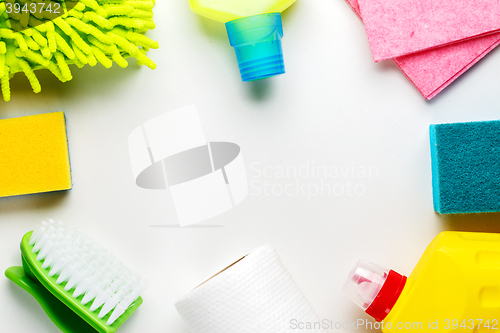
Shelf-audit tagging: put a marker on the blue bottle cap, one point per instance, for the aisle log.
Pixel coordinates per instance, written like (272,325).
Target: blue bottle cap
(257,42)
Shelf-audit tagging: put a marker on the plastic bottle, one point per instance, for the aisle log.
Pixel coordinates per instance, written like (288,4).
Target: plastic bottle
(454,287)
(255,30)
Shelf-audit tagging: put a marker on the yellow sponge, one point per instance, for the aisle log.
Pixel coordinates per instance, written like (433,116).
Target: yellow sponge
(34,155)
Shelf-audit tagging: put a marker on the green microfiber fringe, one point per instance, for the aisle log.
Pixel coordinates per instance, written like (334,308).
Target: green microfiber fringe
(94,31)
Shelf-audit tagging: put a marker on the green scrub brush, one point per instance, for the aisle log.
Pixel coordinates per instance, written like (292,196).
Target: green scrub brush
(93,31)
(82,287)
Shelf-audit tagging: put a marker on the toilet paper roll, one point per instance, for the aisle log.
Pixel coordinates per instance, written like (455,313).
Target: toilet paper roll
(254,295)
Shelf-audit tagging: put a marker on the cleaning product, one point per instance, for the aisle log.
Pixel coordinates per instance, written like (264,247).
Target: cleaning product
(454,287)
(255,294)
(466,167)
(255,30)
(90,32)
(34,155)
(81,286)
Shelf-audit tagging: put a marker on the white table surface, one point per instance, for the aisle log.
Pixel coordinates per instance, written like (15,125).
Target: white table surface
(333,108)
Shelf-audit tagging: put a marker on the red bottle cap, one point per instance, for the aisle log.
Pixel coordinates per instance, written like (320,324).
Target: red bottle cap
(374,288)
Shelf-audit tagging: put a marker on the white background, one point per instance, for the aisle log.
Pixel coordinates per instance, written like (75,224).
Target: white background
(334,107)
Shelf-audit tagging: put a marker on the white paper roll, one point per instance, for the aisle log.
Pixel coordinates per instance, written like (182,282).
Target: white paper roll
(254,295)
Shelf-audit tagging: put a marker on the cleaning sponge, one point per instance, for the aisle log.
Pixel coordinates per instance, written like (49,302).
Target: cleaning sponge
(34,155)
(466,167)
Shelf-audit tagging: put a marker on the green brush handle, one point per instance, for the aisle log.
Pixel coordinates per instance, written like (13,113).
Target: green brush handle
(62,316)
(62,308)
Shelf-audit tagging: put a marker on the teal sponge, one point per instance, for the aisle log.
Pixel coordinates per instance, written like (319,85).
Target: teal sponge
(466,167)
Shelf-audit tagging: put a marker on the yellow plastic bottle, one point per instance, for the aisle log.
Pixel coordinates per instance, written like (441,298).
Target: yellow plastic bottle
(254,29)
(454,287)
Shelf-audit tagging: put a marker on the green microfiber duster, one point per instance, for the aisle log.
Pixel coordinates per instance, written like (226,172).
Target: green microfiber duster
(91,31)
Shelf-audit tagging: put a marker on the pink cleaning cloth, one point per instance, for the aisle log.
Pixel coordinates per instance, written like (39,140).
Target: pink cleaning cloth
(433,70)
(397,28)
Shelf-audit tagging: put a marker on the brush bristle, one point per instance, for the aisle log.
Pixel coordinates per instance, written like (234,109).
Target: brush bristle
(86,268)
